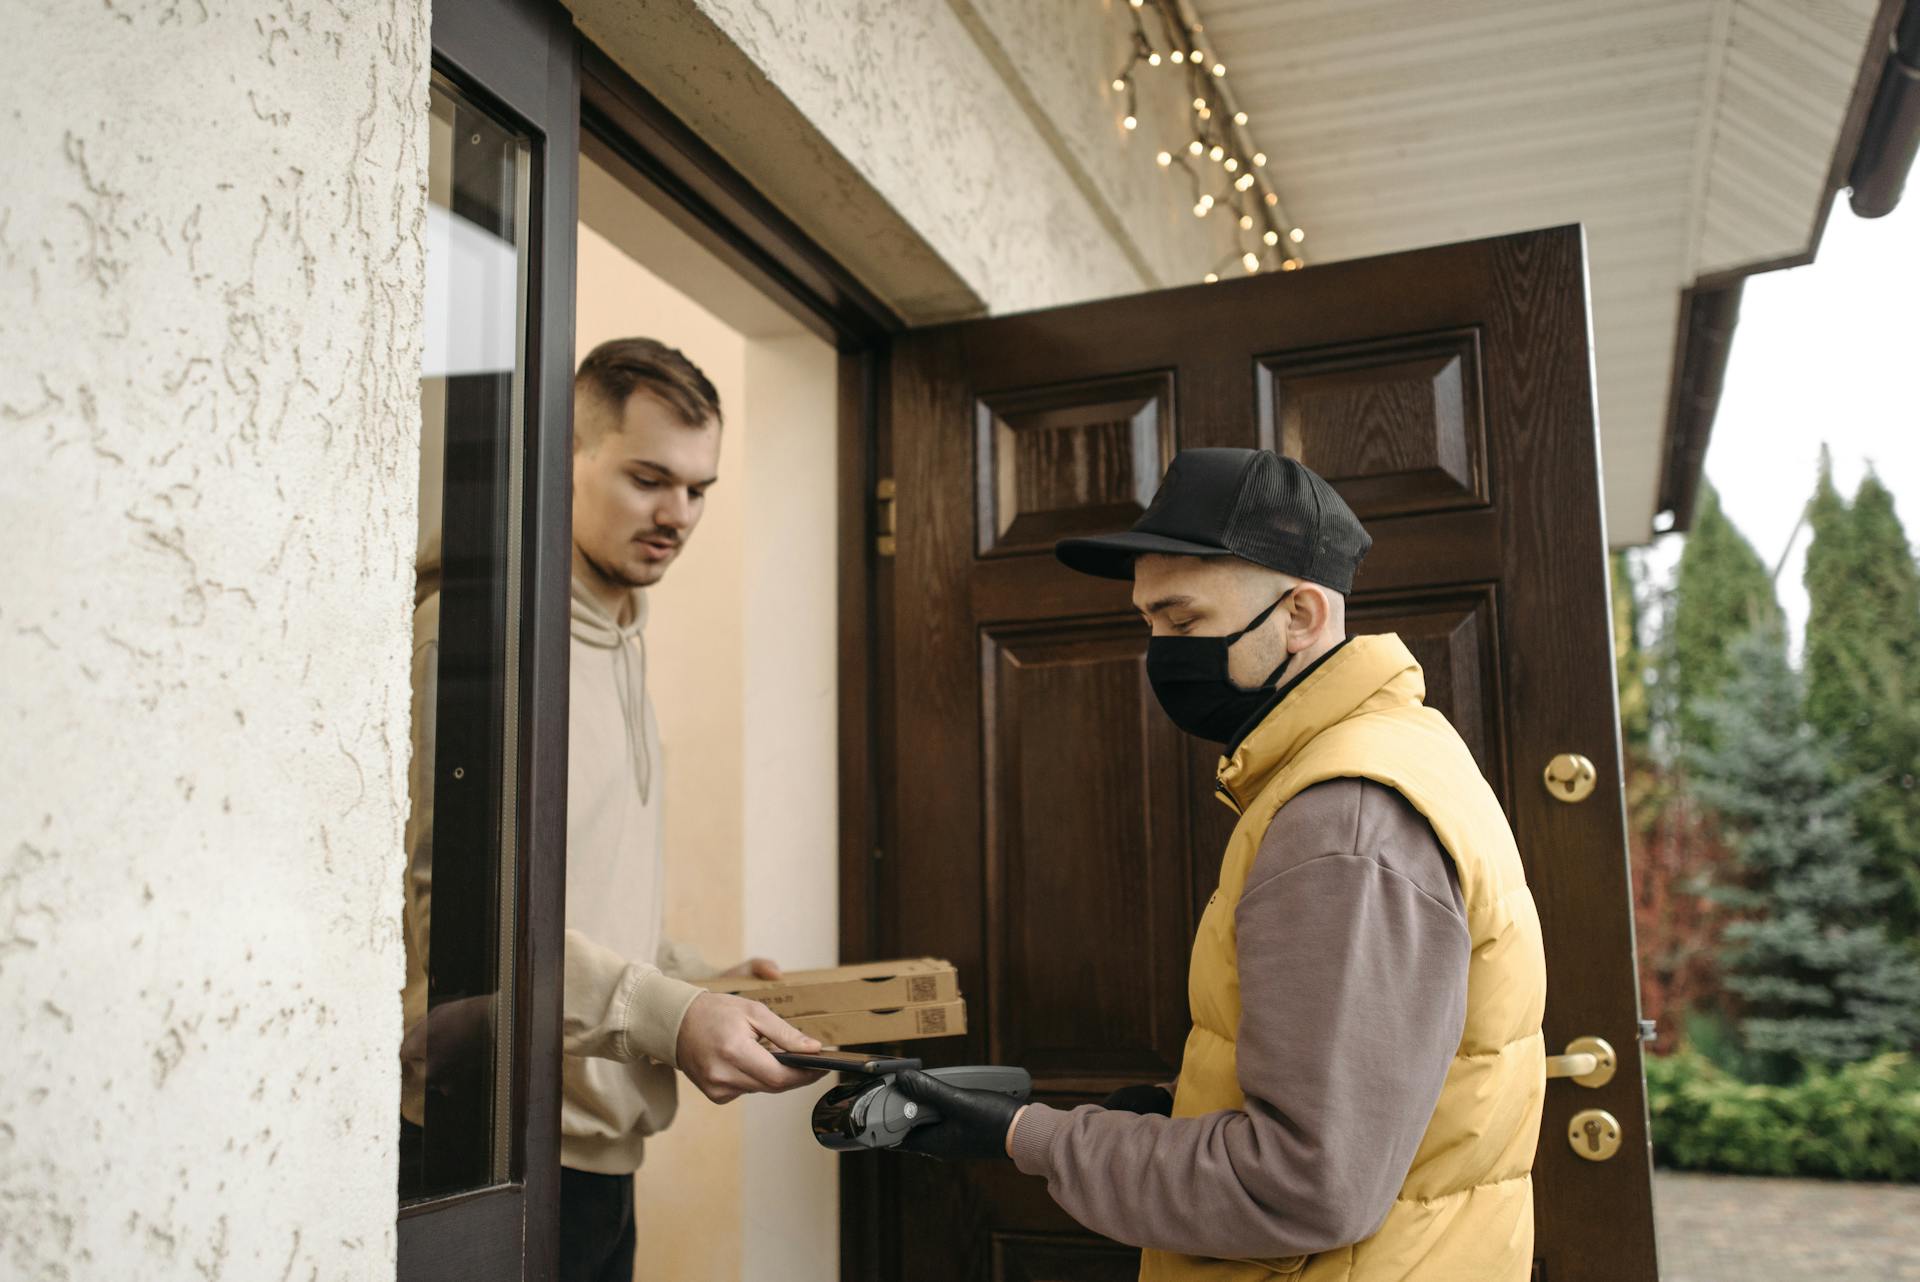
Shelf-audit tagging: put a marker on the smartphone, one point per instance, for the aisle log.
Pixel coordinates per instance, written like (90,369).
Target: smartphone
(847,1062)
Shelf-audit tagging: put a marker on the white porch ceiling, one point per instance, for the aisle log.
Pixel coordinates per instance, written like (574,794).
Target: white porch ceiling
(1689,136)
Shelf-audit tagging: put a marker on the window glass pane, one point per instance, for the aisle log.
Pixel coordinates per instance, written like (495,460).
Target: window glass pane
(456,1058)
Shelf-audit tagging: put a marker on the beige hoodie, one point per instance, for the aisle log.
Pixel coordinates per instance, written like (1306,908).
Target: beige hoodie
(620,1017)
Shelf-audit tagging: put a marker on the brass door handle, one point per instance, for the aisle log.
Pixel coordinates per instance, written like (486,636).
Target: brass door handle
(1589,1061)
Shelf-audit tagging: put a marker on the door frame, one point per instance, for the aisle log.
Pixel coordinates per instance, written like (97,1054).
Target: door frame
(706,197)
(519,59)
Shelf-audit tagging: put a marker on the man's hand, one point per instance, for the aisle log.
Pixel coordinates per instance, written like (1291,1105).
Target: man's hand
(1140,1099)
(720,1052)
(754,968)
(454,1039)
(974,1124)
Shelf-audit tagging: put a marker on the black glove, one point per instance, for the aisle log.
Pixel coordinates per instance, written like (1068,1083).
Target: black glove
(972,1123)
(1140,1099)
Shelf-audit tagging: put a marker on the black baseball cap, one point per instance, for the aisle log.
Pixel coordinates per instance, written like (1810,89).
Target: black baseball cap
(1253,504)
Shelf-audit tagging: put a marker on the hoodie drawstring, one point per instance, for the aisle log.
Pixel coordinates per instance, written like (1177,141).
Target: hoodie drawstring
(593,625)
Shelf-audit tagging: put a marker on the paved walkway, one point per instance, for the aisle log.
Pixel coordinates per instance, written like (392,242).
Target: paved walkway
(1734,1228)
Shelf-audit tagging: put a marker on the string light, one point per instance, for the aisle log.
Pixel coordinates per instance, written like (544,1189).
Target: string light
(1256,214)
(1211,278)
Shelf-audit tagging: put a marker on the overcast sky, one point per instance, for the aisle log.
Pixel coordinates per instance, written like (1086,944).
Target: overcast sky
(1826,353)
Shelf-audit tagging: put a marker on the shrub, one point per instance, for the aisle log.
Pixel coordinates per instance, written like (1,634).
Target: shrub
(1857,1122)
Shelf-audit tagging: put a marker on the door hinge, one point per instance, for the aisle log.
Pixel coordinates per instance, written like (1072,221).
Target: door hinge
(883,516)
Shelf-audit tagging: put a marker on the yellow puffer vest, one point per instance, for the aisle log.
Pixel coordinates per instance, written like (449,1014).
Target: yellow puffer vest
(1465,1212)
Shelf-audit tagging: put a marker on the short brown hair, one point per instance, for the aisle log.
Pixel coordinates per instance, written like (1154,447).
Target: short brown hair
(620,367)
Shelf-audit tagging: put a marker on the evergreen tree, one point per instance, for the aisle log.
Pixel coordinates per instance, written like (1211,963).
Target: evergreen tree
(1671,847)
(1629,655)
(1820,978)
(1722,591)
(1863,673)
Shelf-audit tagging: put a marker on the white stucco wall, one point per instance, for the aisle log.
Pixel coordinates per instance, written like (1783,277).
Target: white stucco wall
(210,248)
(959,155)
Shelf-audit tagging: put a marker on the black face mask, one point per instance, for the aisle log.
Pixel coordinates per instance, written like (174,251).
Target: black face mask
(1189,677)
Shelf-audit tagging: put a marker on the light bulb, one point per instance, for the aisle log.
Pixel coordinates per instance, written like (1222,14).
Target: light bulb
(1119,84)
(1260,158)
(1199,103)
(1195,147)
(1177,56)
(1272,237)
(1153,59)
(1210,278)
(1199,55)
(1165,158)
(1251,261)
(1216,151)
(1272,199)
(1219,68)
(1291,265)
(1246,222)
(1205,113)
(1199,211)
(1239,117)
(1232,163)
(1136,3)
(1131,122)
(1297,235)
(1245,181)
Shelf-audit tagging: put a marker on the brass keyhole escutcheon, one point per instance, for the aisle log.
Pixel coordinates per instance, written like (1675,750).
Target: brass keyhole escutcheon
(1594,1134)
(1570,777)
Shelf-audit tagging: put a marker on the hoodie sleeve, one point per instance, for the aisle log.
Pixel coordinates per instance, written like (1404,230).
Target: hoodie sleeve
(620,1010)
(1352,954)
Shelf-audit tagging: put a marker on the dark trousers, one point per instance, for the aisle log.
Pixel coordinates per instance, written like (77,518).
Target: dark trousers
(596,1227)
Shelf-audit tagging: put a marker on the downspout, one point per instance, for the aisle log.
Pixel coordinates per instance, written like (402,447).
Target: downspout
(1892,135)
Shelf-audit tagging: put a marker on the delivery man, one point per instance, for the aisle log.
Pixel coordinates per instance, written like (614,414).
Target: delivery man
(1360,1095)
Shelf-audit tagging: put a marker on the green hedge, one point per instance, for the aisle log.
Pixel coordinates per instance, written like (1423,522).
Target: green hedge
(1859,1122)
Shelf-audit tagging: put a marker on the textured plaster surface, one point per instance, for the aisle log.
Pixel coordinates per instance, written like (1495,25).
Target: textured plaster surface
(211,249)
(959,155)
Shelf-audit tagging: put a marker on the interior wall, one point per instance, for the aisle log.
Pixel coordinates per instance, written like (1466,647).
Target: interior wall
(211,245)
(790,1185)
(742,667)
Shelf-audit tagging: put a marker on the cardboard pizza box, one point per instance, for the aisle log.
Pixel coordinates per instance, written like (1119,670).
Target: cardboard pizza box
(868,986)
(872,1027)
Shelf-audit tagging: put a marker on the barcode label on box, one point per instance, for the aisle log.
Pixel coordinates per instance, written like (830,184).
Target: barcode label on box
(923,988)
(931,1022)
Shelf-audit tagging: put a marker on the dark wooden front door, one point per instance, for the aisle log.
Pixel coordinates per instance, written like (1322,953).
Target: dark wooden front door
(1050,832)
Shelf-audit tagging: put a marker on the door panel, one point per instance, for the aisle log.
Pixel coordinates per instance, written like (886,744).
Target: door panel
(1055,837)
(1073,846)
